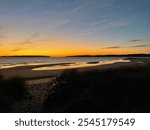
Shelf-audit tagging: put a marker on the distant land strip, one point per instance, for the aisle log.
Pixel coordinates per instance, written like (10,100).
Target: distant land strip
(26,56)
(113,55)
(125,55)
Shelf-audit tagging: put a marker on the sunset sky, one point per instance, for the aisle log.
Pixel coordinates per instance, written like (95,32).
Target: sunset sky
(74,27)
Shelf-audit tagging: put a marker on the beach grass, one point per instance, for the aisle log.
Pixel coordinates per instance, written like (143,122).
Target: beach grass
(11,91)
(119,90)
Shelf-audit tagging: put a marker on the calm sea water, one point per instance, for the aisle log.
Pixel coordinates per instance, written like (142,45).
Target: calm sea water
(7,62)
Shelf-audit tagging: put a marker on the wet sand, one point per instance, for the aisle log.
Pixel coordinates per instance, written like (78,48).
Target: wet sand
(27,72)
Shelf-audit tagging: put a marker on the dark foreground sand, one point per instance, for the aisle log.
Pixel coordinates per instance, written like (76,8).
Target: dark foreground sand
(39,83)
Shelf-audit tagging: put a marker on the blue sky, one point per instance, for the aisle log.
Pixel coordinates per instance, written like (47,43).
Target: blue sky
(84,25)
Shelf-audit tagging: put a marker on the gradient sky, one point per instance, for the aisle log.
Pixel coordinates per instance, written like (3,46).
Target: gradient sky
(73,27)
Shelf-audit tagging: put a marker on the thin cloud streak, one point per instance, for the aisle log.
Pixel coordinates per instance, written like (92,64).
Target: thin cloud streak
(136,46)
(135,40)
(15,50)
(141,46)
(112,47)
(28,40)
(76,10)
(21,45)
(31,38)
(109,23)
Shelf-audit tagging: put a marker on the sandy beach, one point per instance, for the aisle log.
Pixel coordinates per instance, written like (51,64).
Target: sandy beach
(38,82)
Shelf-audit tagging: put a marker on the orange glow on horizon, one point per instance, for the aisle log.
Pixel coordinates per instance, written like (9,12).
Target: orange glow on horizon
(73,52)
(65,47)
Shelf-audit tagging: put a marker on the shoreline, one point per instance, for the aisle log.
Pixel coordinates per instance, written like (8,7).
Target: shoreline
(26,72)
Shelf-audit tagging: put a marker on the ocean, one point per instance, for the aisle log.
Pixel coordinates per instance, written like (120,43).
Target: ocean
(71,62)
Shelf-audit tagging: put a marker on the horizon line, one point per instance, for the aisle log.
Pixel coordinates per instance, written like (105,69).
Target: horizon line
(80,55)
